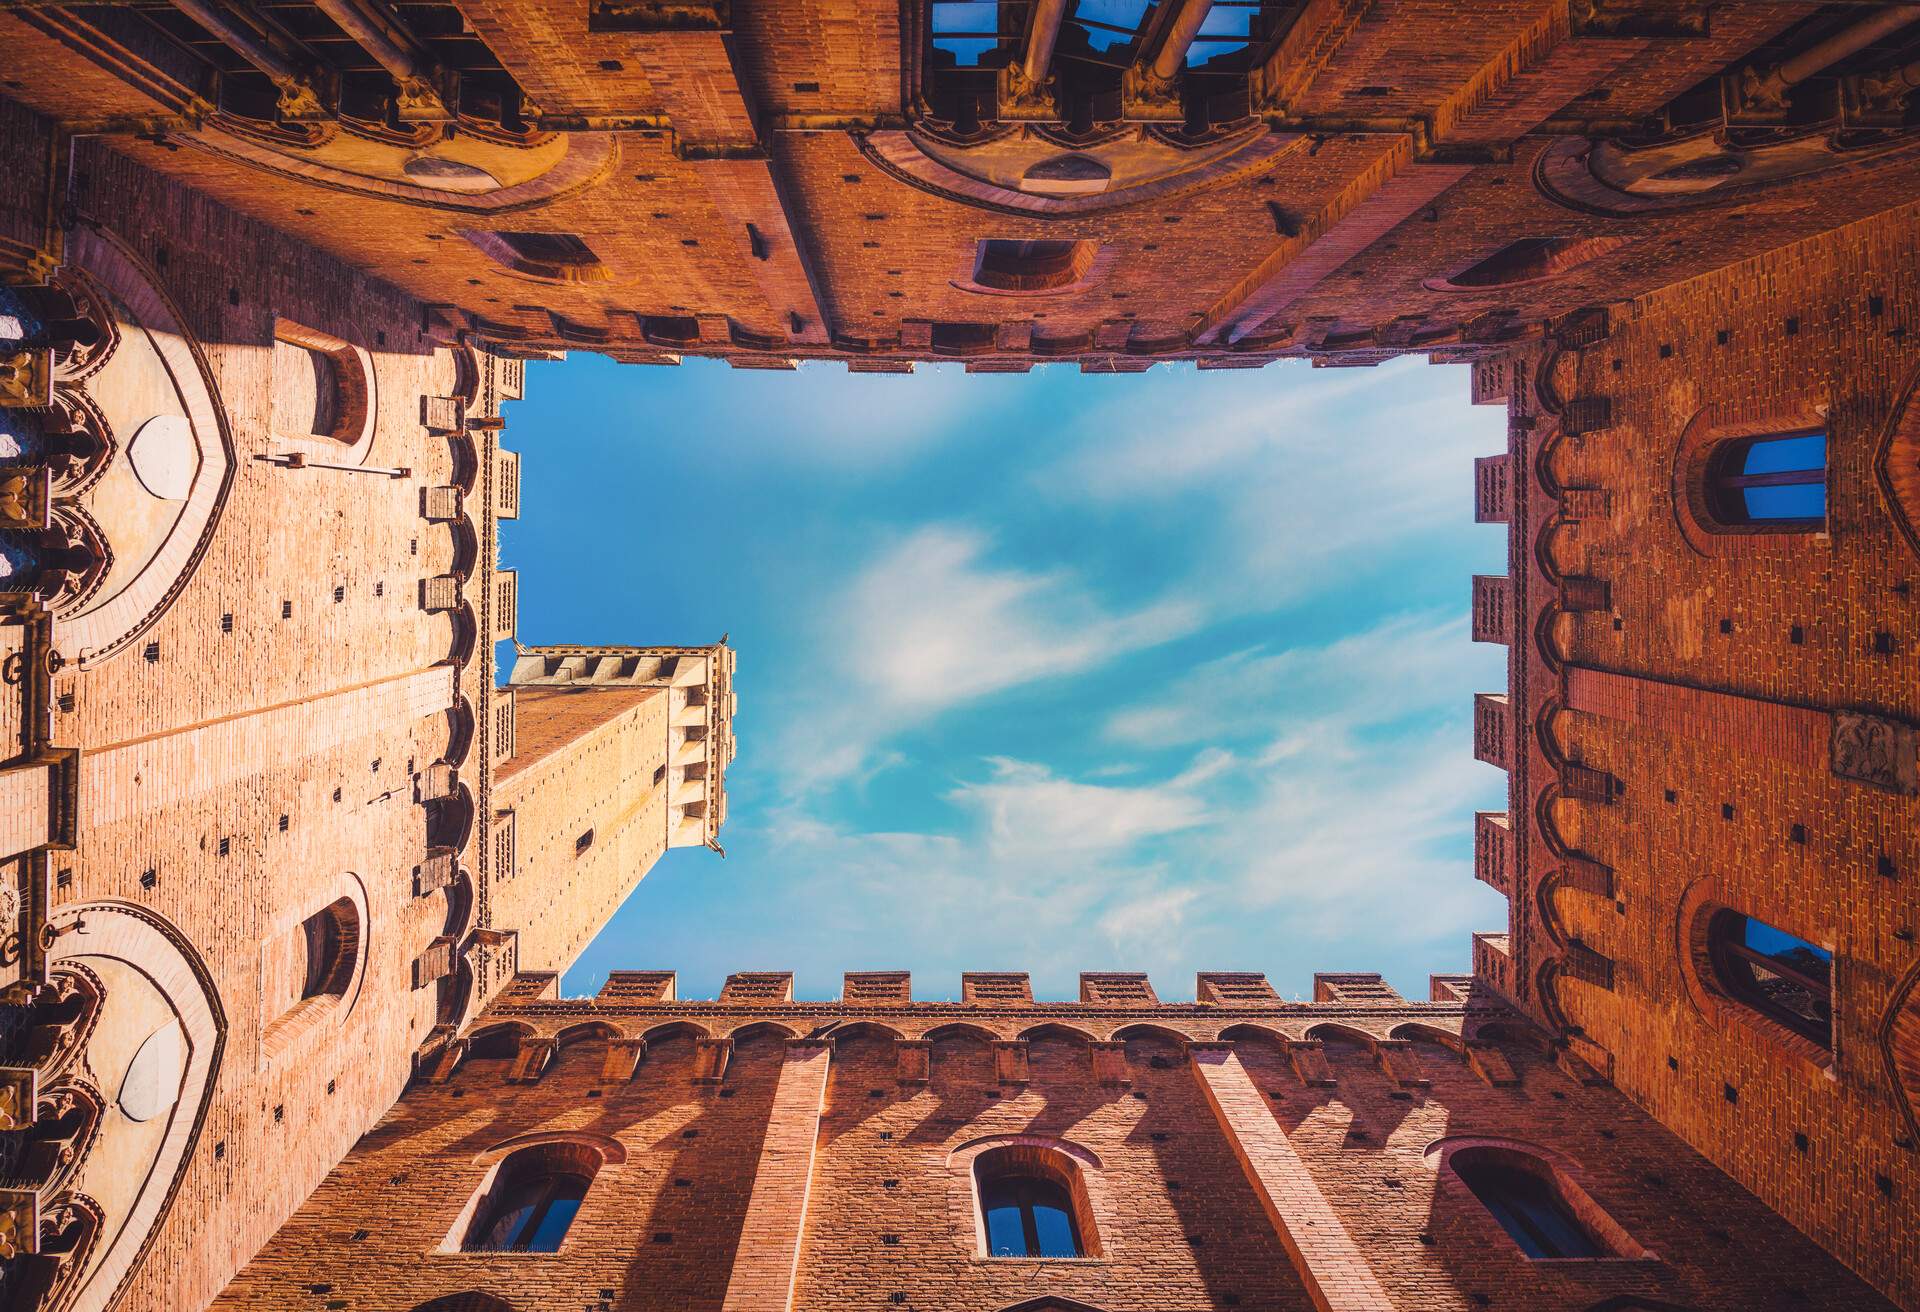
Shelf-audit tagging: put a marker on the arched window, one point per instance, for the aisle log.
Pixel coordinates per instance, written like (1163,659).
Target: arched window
(1530,259)
(1776,484)
(1029,1203)
(560,256)
(1784,978)
(322,387)
(311,965)
(1528,1205)
(534,1197)
(1006,265)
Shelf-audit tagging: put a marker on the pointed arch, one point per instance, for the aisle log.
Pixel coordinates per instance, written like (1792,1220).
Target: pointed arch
(760,1029)
(862,1029)
(674,1029)
(1150,1031)
(586,1030)
(959,1030)
(468,1300)
(1423,1033)
(498,1040)
(1259,1033)
(1332,1030)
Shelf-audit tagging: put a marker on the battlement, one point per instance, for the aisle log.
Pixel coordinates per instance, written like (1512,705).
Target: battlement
(633,1003)
(531,1025)
(698,683)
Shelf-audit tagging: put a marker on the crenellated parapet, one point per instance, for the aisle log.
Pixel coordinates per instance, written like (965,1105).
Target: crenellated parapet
(530,1023)
(698,683)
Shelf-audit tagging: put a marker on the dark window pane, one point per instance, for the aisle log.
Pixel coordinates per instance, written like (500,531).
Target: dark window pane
(1224,30)
(1794,501)
(966,50)
(529,1211)
(553,1225)
(1776,454)
(1053,1228)
(1529,1208)
(1778,481)
(1096,18)
(549,247)
(1765,939)
(966,16)
(1006,1234)
(1776,973)
(500,1232)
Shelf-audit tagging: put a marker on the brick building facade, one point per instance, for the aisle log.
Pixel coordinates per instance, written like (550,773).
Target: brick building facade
(293,863)
(1236,1151)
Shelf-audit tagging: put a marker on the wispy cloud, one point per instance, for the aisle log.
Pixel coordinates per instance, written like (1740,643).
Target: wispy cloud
(1404,665)
(1025,810)
(1282,494)
(1184,686)
(936,624)
(928,624)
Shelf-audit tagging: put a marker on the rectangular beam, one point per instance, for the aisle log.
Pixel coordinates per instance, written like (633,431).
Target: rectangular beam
(149,774)
(1794,734)
(1330,1264)
(768,1258)
(1376,202)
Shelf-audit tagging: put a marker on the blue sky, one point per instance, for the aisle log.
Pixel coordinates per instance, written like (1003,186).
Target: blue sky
(1046,672)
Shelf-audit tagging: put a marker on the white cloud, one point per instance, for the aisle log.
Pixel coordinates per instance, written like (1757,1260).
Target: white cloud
(1156,446)
(1320,814)
(1026,811)
(1302,486)
(927,625)
(1404,665)
(933,624)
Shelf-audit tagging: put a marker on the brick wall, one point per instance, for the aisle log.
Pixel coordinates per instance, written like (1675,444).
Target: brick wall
(1707,687)
(890,1208)
(589,819)
(1407,159)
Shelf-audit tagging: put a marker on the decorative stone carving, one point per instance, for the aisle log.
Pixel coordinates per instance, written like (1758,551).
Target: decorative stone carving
(1873,751)
(1021,97)
(61,1135)
(67,1232)
(61,1020)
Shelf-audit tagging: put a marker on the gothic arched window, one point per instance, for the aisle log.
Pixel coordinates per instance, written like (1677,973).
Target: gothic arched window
(1028,1204)
(1528,1204)
(309,970)
(534,1197)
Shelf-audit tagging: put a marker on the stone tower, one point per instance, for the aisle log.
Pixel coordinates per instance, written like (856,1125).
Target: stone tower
(260,836)
(619,753)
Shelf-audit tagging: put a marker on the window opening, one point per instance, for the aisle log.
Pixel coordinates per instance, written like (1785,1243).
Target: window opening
(1028,1217)
(559,256)
(966,29)
(529,1211)
(1011,265)
(1529,1209)
(1783,977)
(1780,482)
